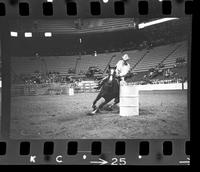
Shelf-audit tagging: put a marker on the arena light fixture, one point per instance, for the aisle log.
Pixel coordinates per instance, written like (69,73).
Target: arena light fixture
(48,34)
(105,1)
(13,34)
(49,0)
(28,34)
(143,25)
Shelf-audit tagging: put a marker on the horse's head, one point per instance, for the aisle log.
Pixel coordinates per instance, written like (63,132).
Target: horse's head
(111,74)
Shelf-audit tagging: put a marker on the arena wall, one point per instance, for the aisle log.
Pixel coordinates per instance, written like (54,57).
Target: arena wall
(171,86)
(20,90)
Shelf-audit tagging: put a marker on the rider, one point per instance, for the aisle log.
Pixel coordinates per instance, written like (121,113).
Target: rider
(122,69)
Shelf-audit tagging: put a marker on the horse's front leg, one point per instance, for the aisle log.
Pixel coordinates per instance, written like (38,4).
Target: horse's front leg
(104,103)
(100,106)
(95,101)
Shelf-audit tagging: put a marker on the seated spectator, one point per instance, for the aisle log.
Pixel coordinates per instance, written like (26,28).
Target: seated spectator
(160,70)
(151,74)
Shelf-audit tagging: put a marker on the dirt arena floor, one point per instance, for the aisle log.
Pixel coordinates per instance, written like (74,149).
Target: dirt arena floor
(163,115)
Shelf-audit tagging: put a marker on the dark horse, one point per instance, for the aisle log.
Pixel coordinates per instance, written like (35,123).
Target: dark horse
(109,91)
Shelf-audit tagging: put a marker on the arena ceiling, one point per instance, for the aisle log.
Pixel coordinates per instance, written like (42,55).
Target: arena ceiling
(84,36)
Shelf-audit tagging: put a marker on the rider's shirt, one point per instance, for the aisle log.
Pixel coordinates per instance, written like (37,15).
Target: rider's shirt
(122,69)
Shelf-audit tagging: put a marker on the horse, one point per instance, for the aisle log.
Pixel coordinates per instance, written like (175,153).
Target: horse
(108,91)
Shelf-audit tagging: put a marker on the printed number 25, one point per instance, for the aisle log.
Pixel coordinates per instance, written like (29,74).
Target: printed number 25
(120,161)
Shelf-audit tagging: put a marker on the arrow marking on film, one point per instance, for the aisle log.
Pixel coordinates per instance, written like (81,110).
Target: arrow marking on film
(100,162)
(184,162)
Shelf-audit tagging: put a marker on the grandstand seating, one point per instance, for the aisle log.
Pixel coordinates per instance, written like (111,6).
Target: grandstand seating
(181,52)
(61,64)
(157,54)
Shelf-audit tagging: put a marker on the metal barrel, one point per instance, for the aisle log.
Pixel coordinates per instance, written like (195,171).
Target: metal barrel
(71,91)
(129,100)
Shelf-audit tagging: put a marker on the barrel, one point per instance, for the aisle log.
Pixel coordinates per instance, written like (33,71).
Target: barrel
(129,100)
(71,91)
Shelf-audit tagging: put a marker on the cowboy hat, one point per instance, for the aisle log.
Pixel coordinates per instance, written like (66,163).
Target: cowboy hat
(125,57)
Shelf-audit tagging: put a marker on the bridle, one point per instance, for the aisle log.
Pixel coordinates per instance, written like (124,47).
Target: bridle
(112,75)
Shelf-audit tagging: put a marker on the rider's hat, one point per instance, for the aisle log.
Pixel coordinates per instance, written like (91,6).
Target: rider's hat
(125,57)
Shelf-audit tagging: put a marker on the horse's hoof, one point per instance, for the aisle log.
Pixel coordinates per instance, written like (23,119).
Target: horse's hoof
(94,107)
(91,114)
(94,112)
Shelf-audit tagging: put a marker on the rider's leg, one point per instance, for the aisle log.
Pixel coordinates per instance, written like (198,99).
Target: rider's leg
(118,80)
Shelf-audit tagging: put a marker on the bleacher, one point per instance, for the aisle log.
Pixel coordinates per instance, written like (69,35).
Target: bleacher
(89,60)
(181,52)
(157,54)
(61,64)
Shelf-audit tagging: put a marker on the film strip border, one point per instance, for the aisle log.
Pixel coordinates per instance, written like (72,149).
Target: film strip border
(94,8)
(90,152)
(99,152)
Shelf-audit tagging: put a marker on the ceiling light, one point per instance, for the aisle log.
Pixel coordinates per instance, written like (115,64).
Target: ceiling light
(14,34)
(143,25)
(48,34)
(28,34)
(105,1)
